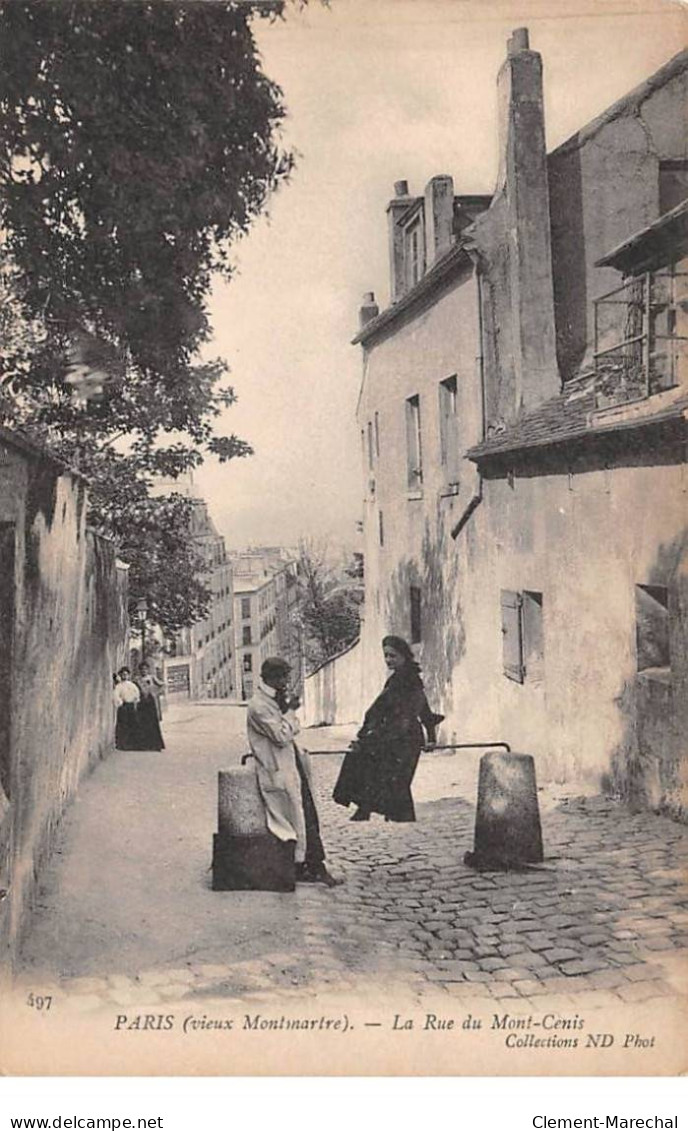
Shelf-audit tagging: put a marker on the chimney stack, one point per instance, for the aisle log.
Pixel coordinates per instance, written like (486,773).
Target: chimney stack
(396,207)
(523,185)
(368,309)
(439,217)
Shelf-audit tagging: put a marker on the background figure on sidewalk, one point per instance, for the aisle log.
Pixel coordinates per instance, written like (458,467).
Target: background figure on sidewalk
(284,772)
(148,716)
(126,697)
(378,770)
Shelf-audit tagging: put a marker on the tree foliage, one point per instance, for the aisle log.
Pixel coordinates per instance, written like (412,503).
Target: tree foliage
(138,141)
(329,602)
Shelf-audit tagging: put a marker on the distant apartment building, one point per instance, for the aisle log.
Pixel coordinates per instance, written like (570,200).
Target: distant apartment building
(199,663)
(265,594)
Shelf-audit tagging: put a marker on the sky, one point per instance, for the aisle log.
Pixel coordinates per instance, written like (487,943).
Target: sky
(376,91)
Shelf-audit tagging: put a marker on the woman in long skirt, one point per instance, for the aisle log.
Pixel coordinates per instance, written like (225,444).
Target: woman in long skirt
(126,696)
(148,715)
(378,770)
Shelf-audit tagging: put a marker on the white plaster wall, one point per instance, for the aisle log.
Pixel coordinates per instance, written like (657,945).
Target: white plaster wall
(585,541)
(434,345)
(333,695)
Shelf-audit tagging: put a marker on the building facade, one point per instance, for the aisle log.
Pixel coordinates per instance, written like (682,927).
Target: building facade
(522,418)
(199,663)
(265,595)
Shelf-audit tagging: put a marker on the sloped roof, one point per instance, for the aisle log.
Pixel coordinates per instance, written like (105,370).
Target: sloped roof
(661,242)
(453,260)
(573,416)
(628,104)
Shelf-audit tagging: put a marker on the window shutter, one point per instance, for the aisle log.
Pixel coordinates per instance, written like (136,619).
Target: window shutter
(512,643)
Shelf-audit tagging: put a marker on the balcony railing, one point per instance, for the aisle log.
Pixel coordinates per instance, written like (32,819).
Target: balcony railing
(641,337)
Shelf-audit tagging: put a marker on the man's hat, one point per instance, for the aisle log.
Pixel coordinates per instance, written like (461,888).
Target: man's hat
(274,665)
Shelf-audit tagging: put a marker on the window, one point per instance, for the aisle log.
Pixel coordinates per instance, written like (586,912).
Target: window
(522,635)
(448,429)
(377,435)
(246,608)
(248,662)
(416,624)
(246,634)
(381,528)
(673,184)
(413,444)
(415,252)
(370,445)
(652,627)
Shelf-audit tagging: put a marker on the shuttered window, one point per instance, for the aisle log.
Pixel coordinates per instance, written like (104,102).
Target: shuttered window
(523,650)
(512,636)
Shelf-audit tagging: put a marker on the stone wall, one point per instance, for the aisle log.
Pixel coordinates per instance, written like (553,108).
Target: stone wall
(65,602)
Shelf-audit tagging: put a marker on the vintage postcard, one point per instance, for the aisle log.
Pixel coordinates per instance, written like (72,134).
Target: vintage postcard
(344,558)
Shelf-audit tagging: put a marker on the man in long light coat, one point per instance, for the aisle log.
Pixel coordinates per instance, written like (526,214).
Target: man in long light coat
(284,772)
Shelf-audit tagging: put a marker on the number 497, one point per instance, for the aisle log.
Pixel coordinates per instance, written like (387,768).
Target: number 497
(39,1001)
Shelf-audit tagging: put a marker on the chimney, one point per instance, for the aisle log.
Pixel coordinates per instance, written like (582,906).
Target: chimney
(522,182)
(439,217)
(396,207)
(368,309)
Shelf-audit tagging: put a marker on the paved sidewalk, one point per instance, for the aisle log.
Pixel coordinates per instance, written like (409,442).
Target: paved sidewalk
(128,917)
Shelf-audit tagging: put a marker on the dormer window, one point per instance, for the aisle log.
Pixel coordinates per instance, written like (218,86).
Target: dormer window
(414,251)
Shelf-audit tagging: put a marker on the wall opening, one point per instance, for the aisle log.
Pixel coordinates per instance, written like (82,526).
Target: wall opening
(449,445)
(414,447)
(523,649)
(673,184)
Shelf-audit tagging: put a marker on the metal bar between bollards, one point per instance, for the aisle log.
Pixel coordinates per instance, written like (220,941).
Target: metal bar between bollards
(437,746)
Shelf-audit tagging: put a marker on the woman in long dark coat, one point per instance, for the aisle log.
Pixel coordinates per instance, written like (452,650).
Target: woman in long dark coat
(149,733)
(378,770)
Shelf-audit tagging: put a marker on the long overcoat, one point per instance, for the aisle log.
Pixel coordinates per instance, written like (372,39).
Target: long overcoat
(378,770)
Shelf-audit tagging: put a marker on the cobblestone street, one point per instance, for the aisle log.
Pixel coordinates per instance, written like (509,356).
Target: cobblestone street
(127,915)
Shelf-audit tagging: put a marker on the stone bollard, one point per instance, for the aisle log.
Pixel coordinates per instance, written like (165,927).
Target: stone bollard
(246,855)
(507,822)
(240,809)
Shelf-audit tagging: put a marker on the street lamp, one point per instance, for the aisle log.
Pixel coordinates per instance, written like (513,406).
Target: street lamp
(94,368)
(142,609)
